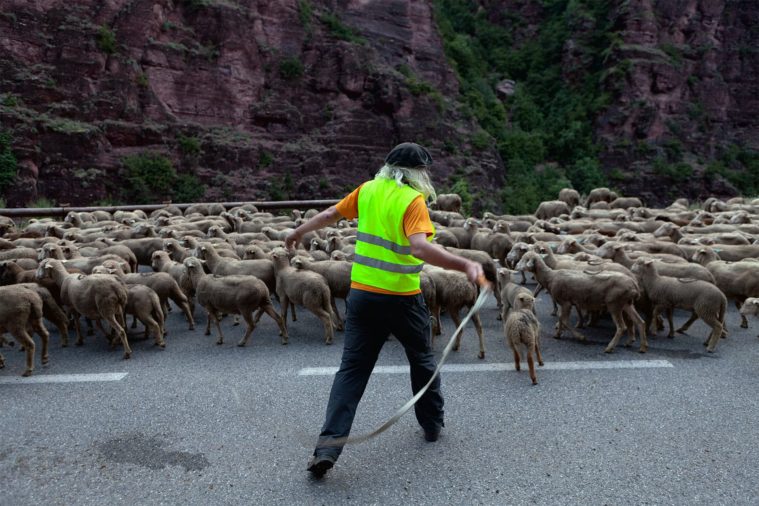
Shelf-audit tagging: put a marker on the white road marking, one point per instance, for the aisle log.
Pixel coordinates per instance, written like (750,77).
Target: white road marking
(64,378)
(570,366)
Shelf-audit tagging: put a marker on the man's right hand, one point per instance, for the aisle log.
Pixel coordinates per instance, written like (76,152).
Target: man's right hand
(474,273)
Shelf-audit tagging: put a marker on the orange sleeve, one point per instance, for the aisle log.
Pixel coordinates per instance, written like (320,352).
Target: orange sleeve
(348,207)
(417,218)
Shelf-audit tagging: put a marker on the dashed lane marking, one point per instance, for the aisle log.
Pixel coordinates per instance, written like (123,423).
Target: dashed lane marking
(566,366)
(64,378)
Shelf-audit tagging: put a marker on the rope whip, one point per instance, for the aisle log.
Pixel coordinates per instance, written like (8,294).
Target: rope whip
(486,289)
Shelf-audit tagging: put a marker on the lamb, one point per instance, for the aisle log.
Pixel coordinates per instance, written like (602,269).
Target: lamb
(454,292)
(262,269)
(21,308)
(97,296)
(162,283)
(612,291)
(337,274)
(509,291)
(666,293)
(305,288)
(521,327)
(447,202)
(552,208)
(570,197)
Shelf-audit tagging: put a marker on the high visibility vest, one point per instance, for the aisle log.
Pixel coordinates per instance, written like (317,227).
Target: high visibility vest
(383,252)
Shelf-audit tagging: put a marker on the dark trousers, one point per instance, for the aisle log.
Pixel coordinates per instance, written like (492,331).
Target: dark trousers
(371,318)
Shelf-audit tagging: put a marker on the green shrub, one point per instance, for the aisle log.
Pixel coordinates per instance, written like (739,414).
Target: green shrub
(460,186)
(481,140)
(189,146)
(339,30)
(196,5)
(41,203)
(305,14)
(9,100)
(586,174)
(106,40)
(151,177)
(265,159)
(8,162)
(188,188)
(290,68)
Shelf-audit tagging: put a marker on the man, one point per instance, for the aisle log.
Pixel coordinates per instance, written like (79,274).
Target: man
(393,242)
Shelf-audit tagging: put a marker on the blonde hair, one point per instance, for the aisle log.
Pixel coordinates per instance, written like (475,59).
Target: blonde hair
(418,179)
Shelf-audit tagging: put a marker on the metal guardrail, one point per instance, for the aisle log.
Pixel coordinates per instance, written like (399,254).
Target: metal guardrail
(34,212)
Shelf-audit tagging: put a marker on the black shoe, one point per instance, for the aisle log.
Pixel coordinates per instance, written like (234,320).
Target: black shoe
(431,435)
(320,464)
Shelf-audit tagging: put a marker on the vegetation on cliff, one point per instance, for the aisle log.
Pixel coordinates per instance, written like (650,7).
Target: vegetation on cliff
(544,130)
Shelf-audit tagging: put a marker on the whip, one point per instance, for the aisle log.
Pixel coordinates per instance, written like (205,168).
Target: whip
(486,289)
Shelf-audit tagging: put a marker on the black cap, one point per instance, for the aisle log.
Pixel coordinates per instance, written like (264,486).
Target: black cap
(409,155)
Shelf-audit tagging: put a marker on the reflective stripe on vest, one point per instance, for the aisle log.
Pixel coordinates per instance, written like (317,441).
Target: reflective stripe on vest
(383,253)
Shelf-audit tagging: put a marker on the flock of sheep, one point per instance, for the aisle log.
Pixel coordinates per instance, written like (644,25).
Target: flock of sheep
(610,255)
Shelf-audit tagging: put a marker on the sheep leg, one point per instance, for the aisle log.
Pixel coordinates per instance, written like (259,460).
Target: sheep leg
(236,320)
(744,321)
(122,334)
(338,320)
(248,317)
(41,331)
(78,326)
(565,308)
(25,340)
(454,312)
(713,339)
(2,361)
(537,348)
(134,322)
(269,309)
(436,331)
(524,279)
(478,328)
(284,303)
(90,330)
(155,328)
(516,358)
(292,305)
(185,307)
(616,315)
(638,322)
(686,325)
(109,336)
(208,324)
(213,314)
(326,318)
(531,366)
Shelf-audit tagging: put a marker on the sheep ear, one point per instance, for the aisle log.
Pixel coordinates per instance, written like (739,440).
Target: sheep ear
(648,261)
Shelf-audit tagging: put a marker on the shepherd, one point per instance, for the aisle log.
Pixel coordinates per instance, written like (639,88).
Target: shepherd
(393,242)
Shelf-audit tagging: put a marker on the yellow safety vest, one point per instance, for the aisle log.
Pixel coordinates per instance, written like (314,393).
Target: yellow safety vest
(383,252)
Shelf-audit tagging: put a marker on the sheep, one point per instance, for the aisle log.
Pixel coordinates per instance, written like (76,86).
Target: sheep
(617,253)
(16,253)
(51,310)
(142,248)
(453,292)
(464,233)
(446,238)
(496,245)
(509,291)
(85,264)
(21,308)
(613,291)
(625,203)
(162,283)
(750,307)
(162,263)
(144,305)
(488,267)
(304,288)
(570,197)
(552,208)
(72,252)
(737,280)
(97,296)
(337,274)
(447,202)
(262,269)
(521,327)
(704,299)
(599,195)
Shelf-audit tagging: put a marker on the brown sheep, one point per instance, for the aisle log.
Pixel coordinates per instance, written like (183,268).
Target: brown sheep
(551,209)
(20,309)
(704,299)
(97,297)
(447,202)
(521,327)
(570,197)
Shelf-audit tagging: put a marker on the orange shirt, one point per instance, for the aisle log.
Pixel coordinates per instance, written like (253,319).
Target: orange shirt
(416,220)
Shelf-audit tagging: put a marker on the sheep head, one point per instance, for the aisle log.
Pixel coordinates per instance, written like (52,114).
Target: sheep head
(524,301)
(750,306)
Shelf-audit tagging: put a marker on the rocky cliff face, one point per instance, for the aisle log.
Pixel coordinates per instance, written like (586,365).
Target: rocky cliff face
(255,99)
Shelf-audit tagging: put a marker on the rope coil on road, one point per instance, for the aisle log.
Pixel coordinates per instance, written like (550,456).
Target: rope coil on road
(484,292)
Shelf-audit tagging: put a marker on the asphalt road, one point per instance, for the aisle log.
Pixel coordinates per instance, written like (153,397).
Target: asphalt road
(198,423)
